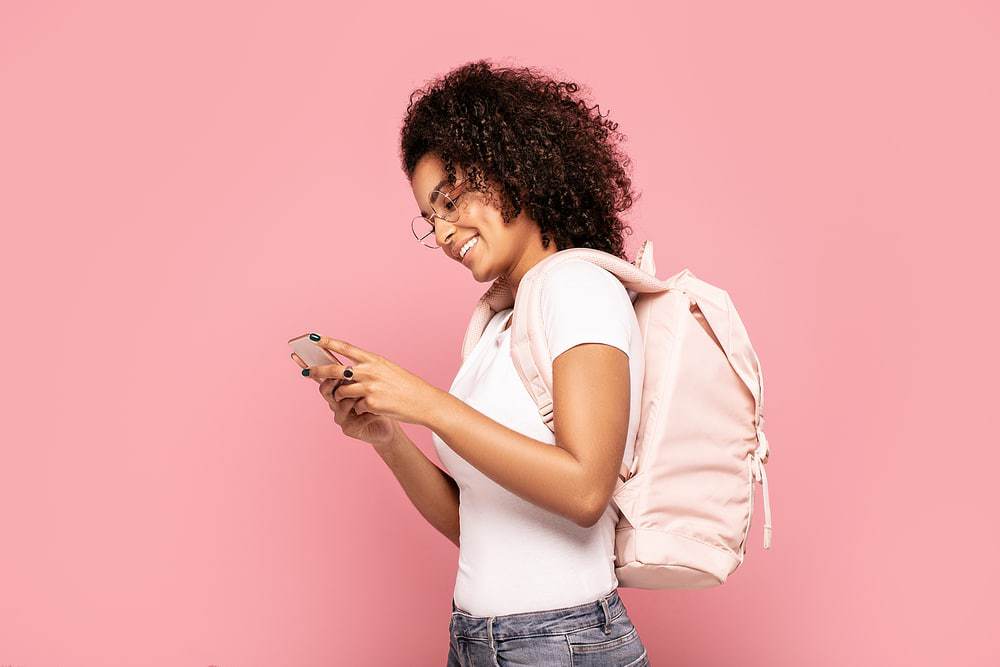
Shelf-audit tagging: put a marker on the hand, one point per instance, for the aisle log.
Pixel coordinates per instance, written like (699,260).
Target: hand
(380,386)
(371,428)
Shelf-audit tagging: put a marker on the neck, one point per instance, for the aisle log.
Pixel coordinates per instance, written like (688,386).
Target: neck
(531,256)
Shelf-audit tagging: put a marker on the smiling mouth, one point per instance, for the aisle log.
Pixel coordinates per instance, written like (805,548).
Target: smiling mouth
(464,257)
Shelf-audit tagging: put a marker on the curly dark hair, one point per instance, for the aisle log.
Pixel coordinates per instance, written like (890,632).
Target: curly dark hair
(541,145)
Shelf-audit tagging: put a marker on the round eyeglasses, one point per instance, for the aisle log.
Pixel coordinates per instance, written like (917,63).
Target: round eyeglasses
(445,206)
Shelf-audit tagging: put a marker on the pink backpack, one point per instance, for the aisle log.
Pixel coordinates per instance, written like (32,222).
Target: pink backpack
(686,503)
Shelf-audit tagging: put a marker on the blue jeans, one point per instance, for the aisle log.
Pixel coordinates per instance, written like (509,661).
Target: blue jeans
(598,633)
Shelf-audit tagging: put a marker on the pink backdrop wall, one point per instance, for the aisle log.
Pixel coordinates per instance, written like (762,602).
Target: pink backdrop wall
(180,191)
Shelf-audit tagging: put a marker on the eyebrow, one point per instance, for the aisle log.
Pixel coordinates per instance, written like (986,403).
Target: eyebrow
(434,194)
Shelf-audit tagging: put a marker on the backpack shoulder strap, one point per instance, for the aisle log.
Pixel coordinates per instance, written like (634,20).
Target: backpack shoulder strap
(498,297)
(639,276)
(529,347)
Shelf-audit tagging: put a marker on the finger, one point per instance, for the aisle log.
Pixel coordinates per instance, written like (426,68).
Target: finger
(348,390)
(327,386)
(302,364)
(297,359)
(343,347)
(334,371)
(343,410)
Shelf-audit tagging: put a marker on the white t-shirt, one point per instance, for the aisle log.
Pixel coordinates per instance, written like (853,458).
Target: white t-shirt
(516,556)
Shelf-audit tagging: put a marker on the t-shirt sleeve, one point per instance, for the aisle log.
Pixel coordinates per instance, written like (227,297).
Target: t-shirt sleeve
(583,303)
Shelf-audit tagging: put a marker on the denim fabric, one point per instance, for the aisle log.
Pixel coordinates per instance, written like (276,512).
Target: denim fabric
(598,633)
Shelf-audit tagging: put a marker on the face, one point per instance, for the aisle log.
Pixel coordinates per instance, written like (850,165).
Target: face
(507,249)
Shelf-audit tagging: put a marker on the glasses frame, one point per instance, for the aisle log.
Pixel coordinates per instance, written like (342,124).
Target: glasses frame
(455,192)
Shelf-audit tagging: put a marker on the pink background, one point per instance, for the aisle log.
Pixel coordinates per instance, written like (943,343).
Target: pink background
(184,186)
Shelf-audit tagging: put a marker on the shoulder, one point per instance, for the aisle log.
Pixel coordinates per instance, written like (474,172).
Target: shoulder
(582,278)
(584,303)
(580,268)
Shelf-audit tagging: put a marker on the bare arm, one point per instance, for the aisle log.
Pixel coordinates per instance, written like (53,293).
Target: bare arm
(575,478)
(431,490)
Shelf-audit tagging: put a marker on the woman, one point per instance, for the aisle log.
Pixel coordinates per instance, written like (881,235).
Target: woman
(507,168)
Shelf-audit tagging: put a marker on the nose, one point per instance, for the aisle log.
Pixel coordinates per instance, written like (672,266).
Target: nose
(443,231)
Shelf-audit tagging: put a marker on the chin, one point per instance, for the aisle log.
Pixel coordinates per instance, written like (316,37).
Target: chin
(482,279)
(481,275)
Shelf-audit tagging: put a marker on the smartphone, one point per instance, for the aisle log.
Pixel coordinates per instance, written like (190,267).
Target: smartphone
(313,354)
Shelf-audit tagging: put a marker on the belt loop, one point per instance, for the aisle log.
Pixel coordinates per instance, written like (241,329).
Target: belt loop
(607,616)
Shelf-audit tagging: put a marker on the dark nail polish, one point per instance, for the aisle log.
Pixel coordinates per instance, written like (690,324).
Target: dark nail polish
(314,337)
(305,371)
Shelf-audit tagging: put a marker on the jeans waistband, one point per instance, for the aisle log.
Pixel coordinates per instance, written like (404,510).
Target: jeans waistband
(600,612)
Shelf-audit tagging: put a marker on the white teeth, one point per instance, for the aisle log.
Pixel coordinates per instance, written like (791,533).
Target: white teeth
(468,245)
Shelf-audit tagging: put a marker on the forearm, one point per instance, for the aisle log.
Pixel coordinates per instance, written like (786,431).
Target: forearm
(431,490)
(544,475)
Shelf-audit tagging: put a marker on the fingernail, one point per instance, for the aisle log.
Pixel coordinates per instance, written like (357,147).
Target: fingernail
(305,371)
(314,337)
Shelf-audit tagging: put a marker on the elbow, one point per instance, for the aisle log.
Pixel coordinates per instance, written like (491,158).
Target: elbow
(590,515)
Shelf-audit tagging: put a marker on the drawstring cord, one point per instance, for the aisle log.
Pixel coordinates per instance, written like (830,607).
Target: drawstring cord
(757,460)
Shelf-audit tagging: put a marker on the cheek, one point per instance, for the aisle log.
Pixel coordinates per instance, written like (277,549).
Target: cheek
(488,220)
(476,212)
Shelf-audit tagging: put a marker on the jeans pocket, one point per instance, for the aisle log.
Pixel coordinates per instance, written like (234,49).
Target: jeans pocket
(591,647)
